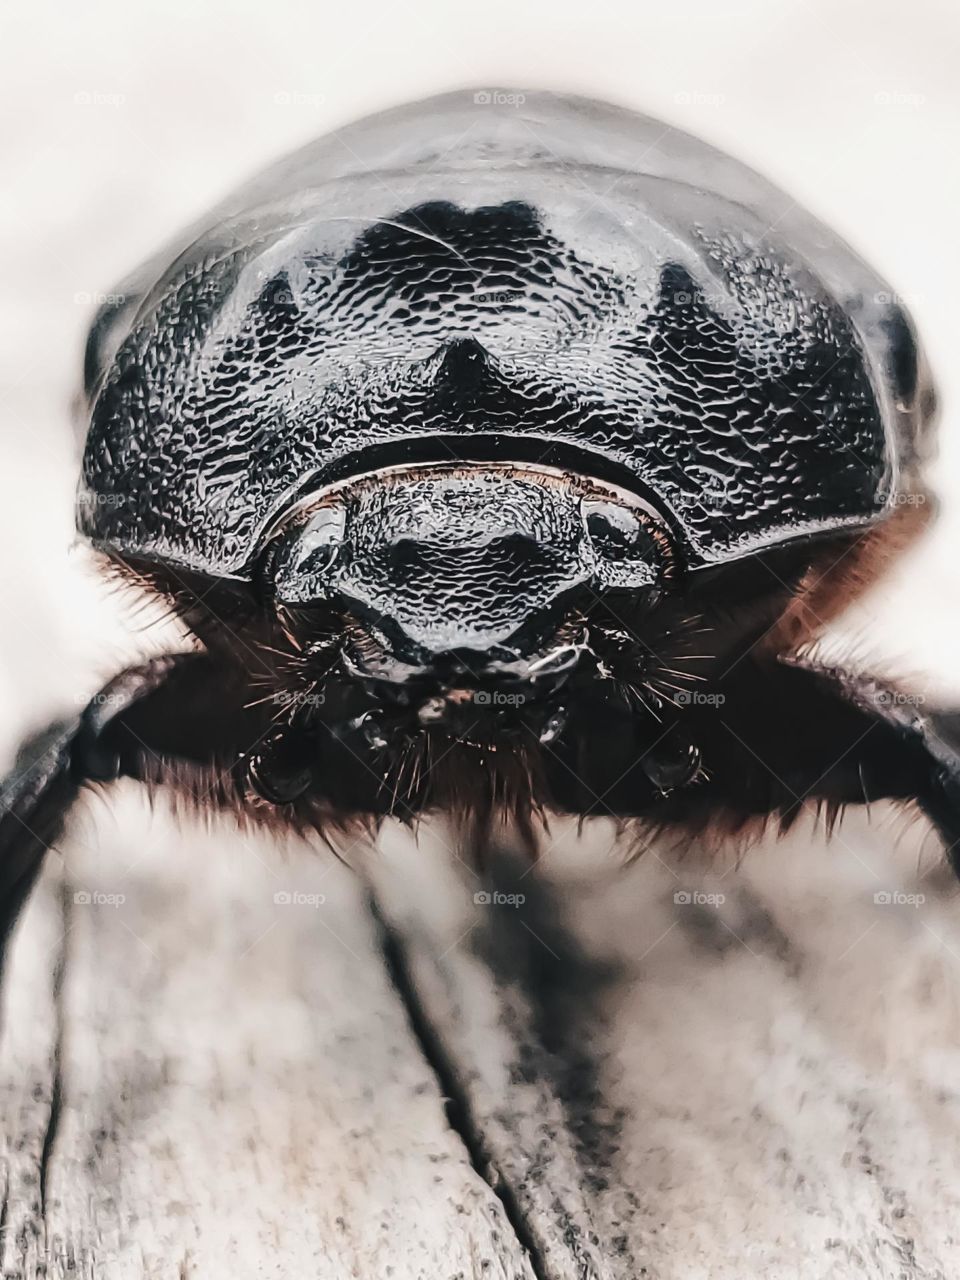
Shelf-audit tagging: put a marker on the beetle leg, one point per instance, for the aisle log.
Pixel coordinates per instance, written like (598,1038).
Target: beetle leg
(905,752)
(779,736)
(170,716)
(34,800)
(940,739)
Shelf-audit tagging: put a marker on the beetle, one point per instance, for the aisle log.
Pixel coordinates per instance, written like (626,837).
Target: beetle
(503,454)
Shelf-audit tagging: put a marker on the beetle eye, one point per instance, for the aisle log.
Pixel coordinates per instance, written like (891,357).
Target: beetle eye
(627,554)
(309,555)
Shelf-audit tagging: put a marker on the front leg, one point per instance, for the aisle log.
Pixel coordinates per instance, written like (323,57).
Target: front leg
(34,801)
(781,736)
(179,718)
(907,752)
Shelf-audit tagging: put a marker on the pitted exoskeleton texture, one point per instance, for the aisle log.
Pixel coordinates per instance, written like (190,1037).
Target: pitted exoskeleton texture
(444,559)
(664,335)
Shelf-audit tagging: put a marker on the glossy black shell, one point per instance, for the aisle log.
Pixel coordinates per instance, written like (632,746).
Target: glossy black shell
(558,281)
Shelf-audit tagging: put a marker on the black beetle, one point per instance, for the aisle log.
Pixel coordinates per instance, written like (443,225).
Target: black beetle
(502,458)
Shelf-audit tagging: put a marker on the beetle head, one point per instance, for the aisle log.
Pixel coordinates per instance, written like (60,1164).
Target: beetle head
(463,590)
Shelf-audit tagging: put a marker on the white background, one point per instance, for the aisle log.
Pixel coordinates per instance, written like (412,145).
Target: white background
(121,121)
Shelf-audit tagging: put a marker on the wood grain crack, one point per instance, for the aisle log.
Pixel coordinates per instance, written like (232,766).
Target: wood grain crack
(456,1103)
(56,1063)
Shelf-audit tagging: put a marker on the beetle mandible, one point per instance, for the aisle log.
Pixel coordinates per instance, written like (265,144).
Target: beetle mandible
(502,459)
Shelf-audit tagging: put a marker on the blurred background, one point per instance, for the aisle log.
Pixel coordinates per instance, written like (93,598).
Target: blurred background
(122,122)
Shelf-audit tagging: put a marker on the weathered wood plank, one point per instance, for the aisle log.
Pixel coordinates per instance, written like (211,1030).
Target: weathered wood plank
(199,1080)
(758,1083)
(222,1084)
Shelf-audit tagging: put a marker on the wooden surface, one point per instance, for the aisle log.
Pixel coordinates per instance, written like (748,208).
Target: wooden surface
(640,1072)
